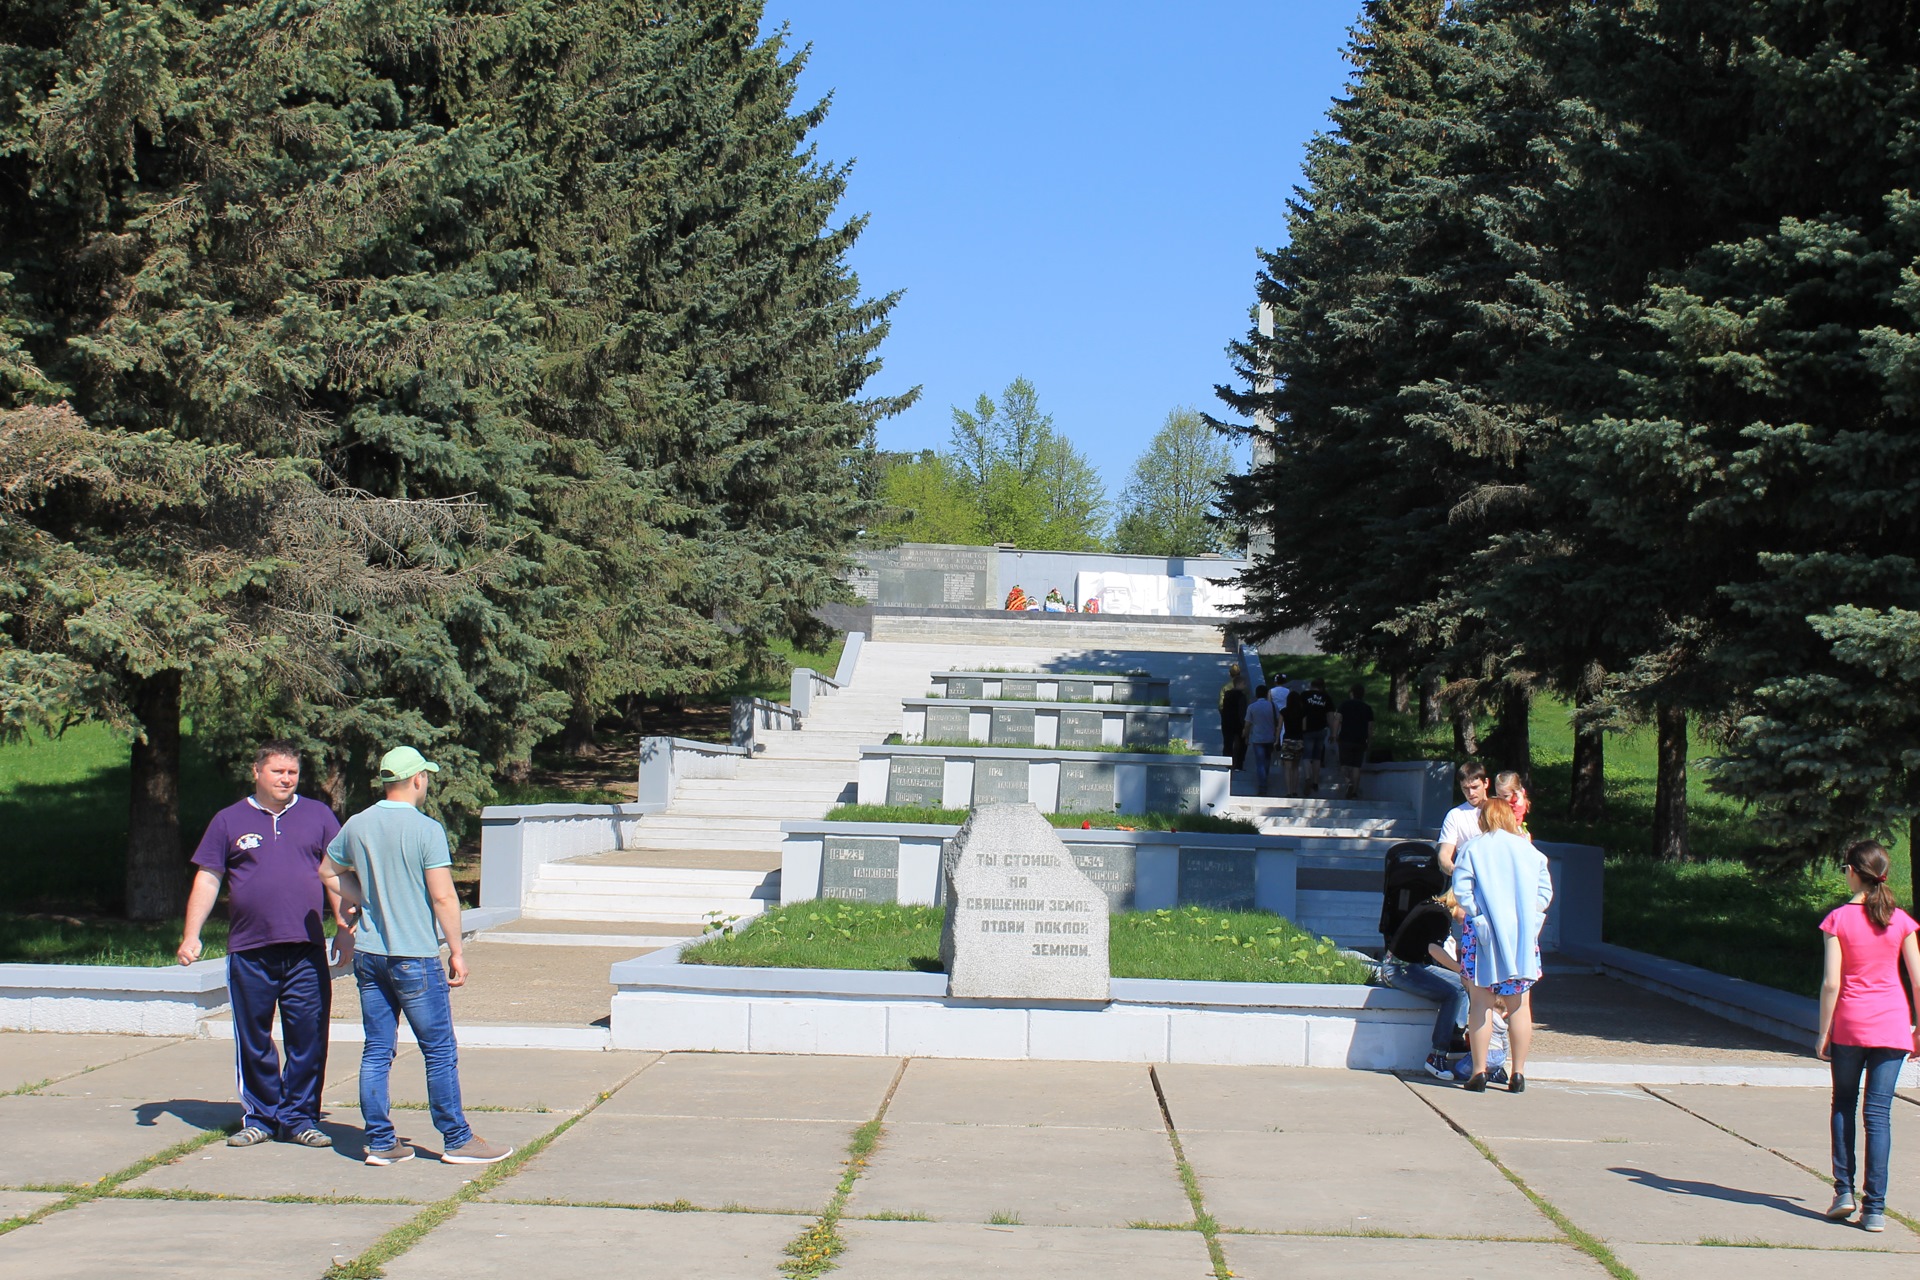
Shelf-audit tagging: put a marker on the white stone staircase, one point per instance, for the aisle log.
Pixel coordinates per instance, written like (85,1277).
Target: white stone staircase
(714,852)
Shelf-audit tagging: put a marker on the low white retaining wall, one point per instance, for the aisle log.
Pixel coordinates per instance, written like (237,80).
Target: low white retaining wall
(1052,686)
(1328,884)
(661,1004)
(1111,719)
(121,999)
(961,777)
(517,840)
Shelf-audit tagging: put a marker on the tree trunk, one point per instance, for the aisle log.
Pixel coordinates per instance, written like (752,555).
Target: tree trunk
(156,872)
(1589,795)
(577,740)
(1429,700)
(1400,691)
(1670,788)
(1466,735)
(333,782)
(1511,742)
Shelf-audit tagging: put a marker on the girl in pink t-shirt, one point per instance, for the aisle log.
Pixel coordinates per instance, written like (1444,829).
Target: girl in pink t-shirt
(1866,1027)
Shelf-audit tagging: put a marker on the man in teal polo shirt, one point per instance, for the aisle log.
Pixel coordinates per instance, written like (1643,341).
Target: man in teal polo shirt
(391,868)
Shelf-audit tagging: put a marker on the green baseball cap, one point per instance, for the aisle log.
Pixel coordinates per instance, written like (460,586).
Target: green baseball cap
(402,763)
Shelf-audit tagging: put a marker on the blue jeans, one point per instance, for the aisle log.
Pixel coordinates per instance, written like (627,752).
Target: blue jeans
(417,987)
(1433,983)
(1260,760)
(1882,1070)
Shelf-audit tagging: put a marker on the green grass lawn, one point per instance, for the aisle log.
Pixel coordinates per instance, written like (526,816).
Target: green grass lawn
(1199,822)
(45,938)
(1190,943)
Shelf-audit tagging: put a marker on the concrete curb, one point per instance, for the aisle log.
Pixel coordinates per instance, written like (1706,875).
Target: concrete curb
(477,1036)
(1792,1018)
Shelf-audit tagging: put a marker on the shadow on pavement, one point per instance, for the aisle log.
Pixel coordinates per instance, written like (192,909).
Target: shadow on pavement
(1714,1191)
(194,1111)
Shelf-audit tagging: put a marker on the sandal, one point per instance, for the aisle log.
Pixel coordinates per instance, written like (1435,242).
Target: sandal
(311,1138)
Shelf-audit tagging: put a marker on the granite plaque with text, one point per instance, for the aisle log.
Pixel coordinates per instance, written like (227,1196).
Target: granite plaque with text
(1022,921)
(1080,729)
(918,781)
(1147,729)
(949,724)
(860,869)
(1173,788)
(1111,866)
(966,687)
(999,782)
(1216,879)
(1019,690)
(1012,727)
(1134,691)
(1086,786)
(1076,691)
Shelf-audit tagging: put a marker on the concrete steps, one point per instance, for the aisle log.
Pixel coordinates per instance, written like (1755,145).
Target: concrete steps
(669,895)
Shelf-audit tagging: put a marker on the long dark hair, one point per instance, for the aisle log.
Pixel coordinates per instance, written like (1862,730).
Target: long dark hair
(1869,861)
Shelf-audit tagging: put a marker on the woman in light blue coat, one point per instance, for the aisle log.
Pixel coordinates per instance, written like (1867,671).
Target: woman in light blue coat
(1503,887)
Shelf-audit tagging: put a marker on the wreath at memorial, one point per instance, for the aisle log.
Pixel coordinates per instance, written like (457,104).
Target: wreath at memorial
(1018,600)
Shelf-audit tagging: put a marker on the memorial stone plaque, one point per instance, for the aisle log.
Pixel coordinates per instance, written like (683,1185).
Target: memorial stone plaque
(1019,689)
(1086,786)
(1022,921)
(966,687)
(919,781)
(1173,788)
(1012,727)
(1216,879)
(1111,866)
(1134,691)
(1080,730)
(949,724)
(1076,691)
(1147,729)
(860,869)
(999,782)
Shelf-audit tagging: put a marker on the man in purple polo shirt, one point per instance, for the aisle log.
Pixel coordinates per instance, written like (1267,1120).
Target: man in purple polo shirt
(268,849)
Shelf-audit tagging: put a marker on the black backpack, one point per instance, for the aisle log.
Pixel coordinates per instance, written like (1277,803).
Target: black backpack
(1413,875)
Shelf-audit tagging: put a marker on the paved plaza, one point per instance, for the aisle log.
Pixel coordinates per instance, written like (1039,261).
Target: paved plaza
(712,1165)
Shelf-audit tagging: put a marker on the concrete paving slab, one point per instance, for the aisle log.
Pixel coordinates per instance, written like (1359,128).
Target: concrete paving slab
(758,1087)
(1681,1262)
(1586,1017)
(202,1069)
(519,986)
(1630,1173)
(283,1169)
(343,1072)
(58,1141)
(1357,1258)
(1095,1095)
(528,1079)
(1290,1100)
(18,1204)
(1431,1183)
(1558,1112)
(30,1057)
(962,1251)
(1717,1189)
(781,1165)
(1791,1121)
(545,1240)
(161,1240)
(1049,1176)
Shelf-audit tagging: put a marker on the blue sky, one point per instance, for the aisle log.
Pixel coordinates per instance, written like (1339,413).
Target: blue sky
(1067,190)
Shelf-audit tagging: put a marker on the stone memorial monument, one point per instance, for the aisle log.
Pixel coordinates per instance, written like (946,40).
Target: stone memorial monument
(1023,922)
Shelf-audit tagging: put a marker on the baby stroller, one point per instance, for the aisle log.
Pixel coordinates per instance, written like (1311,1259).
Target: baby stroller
(1413,876)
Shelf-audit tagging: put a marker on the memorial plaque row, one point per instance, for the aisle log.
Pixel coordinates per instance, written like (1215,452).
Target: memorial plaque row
(949,724)
(1000,782)
(860,868)
(1012,727)
(1086,786)
(1216,880)
(1112,867)
(916,781)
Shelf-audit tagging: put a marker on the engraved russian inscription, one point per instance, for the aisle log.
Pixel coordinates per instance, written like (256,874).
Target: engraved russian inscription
(1147,729)
(1216,879)
(919,781)
(860,868)
(949,724)
(999,782)
(1086,786)
(1019,689)
(1022,920)
(1012,727)
(1080,729)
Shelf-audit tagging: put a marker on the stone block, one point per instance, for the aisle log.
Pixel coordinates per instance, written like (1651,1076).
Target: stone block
(861,868)
(999,782)
(1218,879)
(1113,1034)
(947,1031)
(857,1027)
(1237,1039)
(1023,922)
(916,780)
(675,1020)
